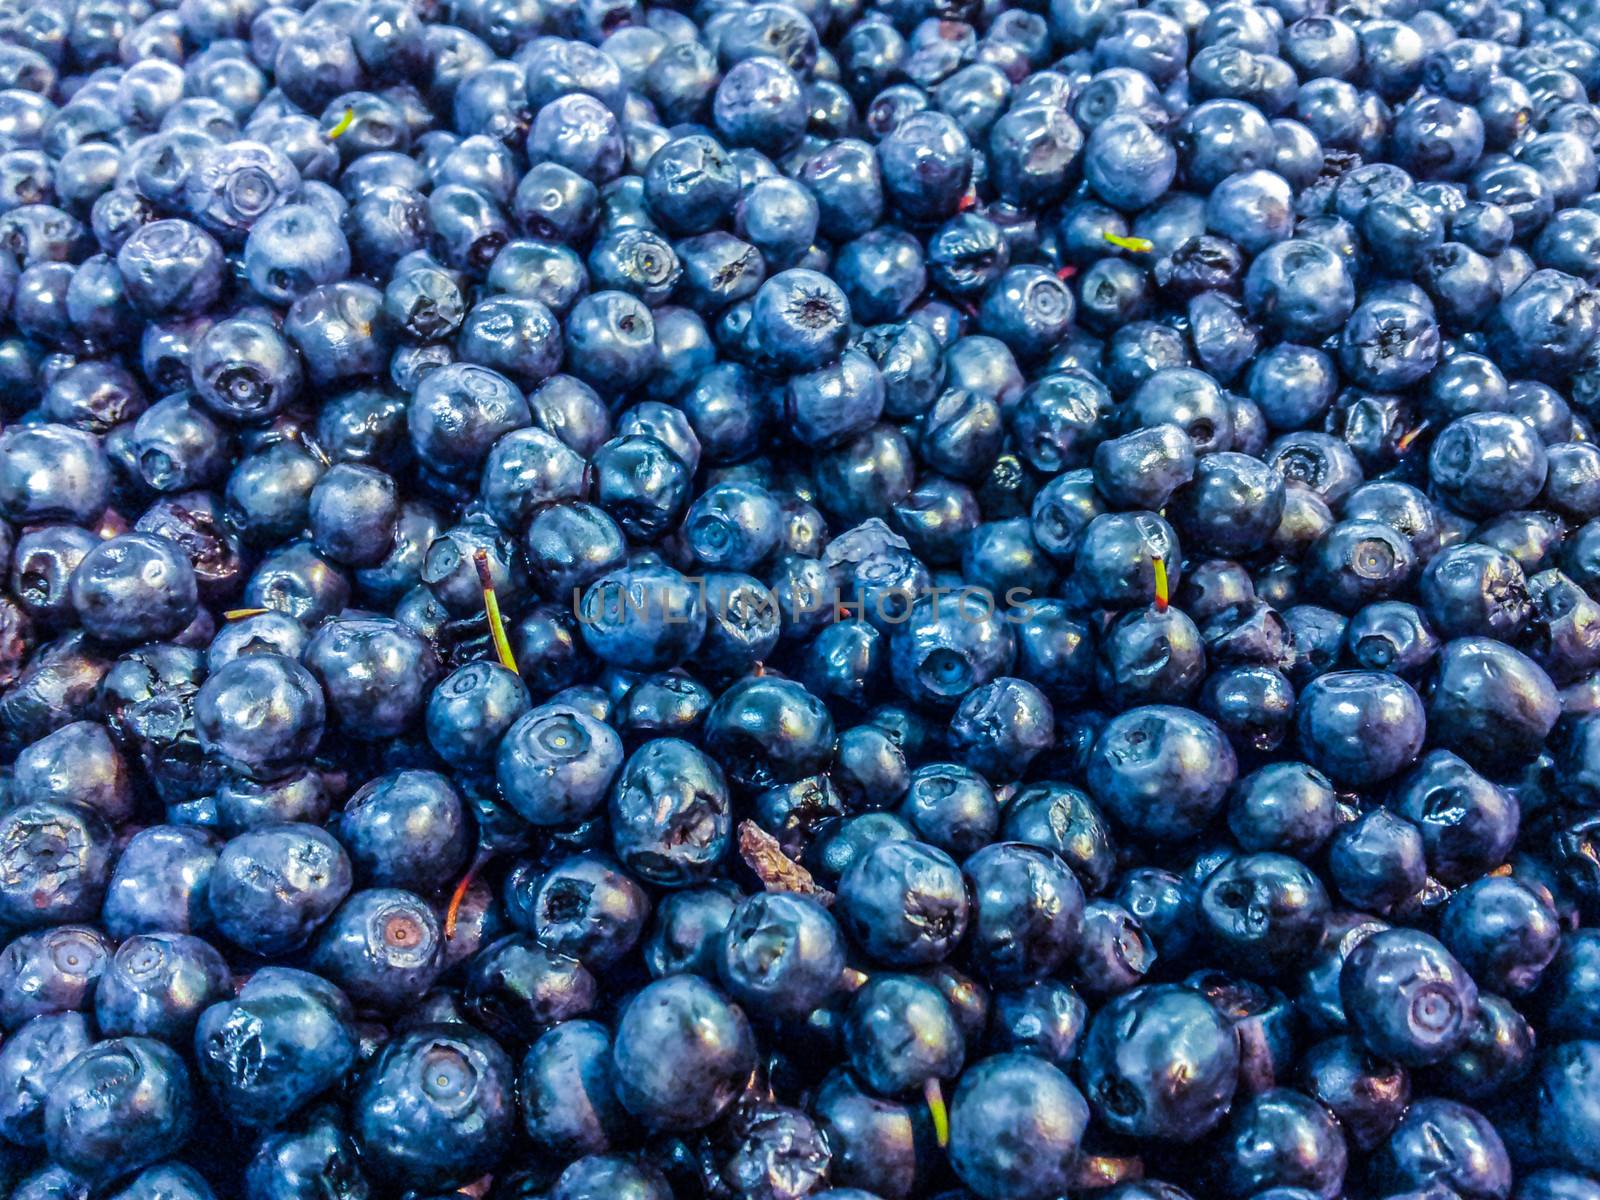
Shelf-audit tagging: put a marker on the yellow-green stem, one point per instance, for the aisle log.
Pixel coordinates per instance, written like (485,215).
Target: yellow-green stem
(1133,245)
(491,606)
(933,1093)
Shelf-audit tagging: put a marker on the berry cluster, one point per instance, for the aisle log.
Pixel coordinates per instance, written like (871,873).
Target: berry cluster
(807,600)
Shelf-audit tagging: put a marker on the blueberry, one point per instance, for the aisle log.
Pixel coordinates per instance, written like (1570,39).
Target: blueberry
(1026,912)
(555,767)
(765,731)
(799,320)
(951,807)
(470,711)
(1486,463)
(260,715)
(119,1106)
(1127,163)
(687,930)
(759,103)
(58,862)
(160,882)
(883,1143)
(1378,861)
(904,903)
(271,888)
(1262,913)
(156,986)
(569,1102)
(1369,1095)
(375,673)
(1162,772)
(435,1106)
(1491,704)
(77,764)
(52,472)
(381,947)
(1016,1124)
(681,1053)
(609,1175)
(900,1033)
(1407,998)
(31,1062)
(167,1180)
(134,588)
(459,411)
(1000,727)
(1159,1061)
(589,909)
(1526,331)
(1563,1117)
(171,266)
(1473,1159)
(670,813)
(517,987)
(1285,807)
(52,970)
(1360,727)
(1468,823)
(1283,1138)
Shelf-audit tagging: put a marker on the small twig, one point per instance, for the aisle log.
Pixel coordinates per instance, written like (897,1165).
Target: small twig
(776,870)
(491,606)
(1133,245)
(933,1094)
(452,914)
(1410,436)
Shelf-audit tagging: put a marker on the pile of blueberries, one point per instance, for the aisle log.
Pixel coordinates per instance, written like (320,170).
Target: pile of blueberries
(782,599)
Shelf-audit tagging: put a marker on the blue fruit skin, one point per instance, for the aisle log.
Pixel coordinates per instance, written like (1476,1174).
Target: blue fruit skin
(569,1103)
(157,984)
(260,749)
(1026,912)
(899,1033)
(782,955)
(1015,1124)
(266,1054)
(161,882)
(51,970)
(1360,727)
(671,815)
(382,947)
(904,903)
(1407,998)
(410,1126)
(680,1054)
(1161,771)
(60,864)
(1282,1138)
(31,1062)
(1160,1062)
(167,1180)
(272,887)
(119,1106)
